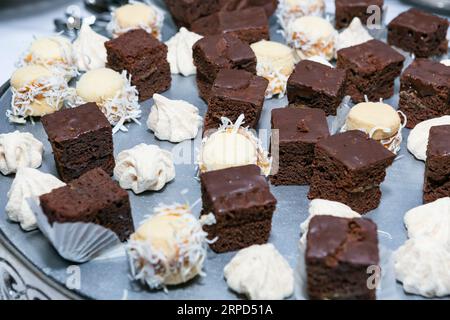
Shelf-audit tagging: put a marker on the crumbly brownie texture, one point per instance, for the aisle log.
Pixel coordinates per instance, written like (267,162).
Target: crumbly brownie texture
(315,85)
(145,59)
(242,204)
(371,70)
(213,53)
(236,92)
(94,197)
(419,32)
(249,25)
(185,12)
(81,139)
(349,168)
(338,254)
(232,5)
(437,168)
(298,132)
(425,91)
(346,10)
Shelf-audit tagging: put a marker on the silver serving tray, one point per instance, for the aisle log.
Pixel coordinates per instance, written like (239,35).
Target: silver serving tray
(109,279)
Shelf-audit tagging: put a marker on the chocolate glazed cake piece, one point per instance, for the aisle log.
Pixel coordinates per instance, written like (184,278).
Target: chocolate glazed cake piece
(232,5)
(185,12)
(233,93)
(81,140)
(419,32)
(349,168)
(145,59)
(298,132)
(214,53)
(437,168)
(371,70)
(315,85)
(94,197)
(339,252)
(424,91)
(242,204)
(346,10)
(249,25)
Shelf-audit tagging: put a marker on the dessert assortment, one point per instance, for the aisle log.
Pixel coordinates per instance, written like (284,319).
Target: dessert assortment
(85,94)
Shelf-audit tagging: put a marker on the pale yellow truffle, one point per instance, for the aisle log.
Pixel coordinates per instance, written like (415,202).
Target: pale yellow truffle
(50,50)
(23,79)
(99,85)
(367,116)
(135,15)
(279,56)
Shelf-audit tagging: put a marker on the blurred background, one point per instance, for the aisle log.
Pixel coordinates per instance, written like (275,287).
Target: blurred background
(20,20)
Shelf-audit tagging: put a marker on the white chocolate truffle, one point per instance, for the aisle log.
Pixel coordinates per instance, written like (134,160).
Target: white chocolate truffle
(353,35)
(289,10)
(169,248)
(173,120)
(261,273)
(431,220)
(275,62)
(423,266)
(112,92)
(28,183)
(325,207)
(418,137)
(379,120)
(312,36)
(36,92)
(89,48)
(446,62)
(19,150)
(232,146)
(144,167)
(179,52)
(136,15)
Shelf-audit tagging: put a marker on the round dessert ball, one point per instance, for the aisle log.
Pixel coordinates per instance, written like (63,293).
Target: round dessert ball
(28,76)
(135,15)
(99,85)
(315,27)
(374,116)
(51,49)
(275,54)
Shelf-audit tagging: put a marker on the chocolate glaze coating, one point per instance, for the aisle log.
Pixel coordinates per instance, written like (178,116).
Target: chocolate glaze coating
(419,21)
(426,77)
(439,141)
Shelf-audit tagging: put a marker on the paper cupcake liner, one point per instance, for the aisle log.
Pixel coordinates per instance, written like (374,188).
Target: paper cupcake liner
(75,241)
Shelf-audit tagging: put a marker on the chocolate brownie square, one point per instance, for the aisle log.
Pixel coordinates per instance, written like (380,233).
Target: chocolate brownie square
(224,51)
(185,12)
(81,140)
(249,25)
(371,70)
(346,10)
(419,32)
(349,168)
(233,93)
(315,85)
(92,198)
(145,59)
(424,91)
(437,168)
(231,5)
(242,204)
(339,253)
(297,132)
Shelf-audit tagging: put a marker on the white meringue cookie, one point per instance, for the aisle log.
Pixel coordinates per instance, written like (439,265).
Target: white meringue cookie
(28,183)
(144,167)
(446,62)
(423,266)
(89,48)
(430,220)
(260,272)
(180,52)
(353,35)
(418,137)
(173,120)
(19,150)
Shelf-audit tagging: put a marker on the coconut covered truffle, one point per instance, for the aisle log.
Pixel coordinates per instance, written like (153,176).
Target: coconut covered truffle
(112,92)
(275,62)
(311,36)
(55,53)
(136,15)
(169,248)
(289,10)
(36,91)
